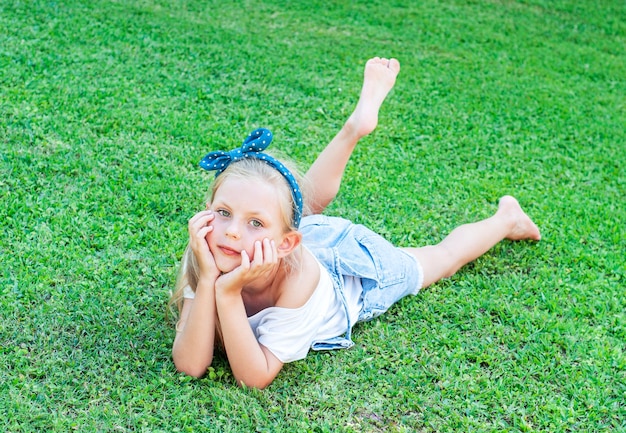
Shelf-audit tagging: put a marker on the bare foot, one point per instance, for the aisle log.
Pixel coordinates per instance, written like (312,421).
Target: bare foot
(523,227)
(379,78)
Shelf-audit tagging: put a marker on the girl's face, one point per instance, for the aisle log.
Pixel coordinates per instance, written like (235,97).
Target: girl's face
(246,211)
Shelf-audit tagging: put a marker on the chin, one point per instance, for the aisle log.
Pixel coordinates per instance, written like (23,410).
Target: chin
(226,266)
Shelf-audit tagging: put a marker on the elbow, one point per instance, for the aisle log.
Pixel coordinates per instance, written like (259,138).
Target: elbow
(190,371)
(253,384)
(191,368)
(256,382)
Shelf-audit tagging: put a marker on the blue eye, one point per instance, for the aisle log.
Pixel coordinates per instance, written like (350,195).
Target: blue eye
(223,212)
(256,224)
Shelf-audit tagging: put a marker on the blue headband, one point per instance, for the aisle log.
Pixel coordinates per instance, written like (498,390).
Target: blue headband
(252,146)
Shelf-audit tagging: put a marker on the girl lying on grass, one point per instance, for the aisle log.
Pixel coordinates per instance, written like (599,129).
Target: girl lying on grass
(268,277)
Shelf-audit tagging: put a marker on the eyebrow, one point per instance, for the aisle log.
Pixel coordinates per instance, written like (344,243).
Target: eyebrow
(258,213)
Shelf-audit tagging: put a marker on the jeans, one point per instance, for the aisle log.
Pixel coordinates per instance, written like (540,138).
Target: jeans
(387,273)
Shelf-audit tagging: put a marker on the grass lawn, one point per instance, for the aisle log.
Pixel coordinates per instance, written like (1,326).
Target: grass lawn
(106,108)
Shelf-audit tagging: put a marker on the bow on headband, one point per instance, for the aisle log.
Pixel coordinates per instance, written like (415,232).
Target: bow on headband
(257,140)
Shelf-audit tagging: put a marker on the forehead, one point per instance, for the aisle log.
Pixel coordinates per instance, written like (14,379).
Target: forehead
(251,194)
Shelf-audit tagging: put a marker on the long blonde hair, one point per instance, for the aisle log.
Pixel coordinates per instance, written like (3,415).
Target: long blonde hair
(249,168)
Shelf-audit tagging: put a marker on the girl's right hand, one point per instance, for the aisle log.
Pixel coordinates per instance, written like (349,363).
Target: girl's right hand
(199,228)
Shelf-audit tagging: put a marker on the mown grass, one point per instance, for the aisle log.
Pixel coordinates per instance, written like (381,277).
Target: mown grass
(106,108)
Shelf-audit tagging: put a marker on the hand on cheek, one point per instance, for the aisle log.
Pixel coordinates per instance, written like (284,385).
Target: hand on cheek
(265,252)
(200,229)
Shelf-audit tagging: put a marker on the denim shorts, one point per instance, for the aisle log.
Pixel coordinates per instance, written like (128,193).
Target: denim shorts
(387,272)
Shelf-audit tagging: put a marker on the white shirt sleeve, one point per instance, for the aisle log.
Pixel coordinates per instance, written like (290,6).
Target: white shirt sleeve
(287,333)
(188,292)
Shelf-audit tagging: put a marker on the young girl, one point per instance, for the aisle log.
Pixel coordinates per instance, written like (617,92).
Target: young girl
(268,277)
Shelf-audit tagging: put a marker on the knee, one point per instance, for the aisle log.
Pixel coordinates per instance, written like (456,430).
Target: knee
(438,261)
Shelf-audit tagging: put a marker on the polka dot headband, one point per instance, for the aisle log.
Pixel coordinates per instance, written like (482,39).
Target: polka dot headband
(252,146)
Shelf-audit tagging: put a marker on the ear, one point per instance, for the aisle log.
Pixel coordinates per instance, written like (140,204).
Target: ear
(290,241)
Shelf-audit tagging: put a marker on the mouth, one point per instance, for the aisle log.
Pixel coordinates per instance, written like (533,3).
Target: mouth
(229,251)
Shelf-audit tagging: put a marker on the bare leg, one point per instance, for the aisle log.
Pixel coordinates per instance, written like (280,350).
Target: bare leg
(470,241)
(326,172)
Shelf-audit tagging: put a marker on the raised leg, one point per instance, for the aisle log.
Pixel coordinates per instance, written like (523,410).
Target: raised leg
(326,172)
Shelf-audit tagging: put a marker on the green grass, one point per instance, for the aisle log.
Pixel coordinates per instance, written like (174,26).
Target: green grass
(106,108)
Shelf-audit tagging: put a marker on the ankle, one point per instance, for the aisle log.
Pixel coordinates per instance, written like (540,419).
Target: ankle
(352,131)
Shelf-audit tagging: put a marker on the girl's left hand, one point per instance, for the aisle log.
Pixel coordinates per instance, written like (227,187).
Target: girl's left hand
(262,266)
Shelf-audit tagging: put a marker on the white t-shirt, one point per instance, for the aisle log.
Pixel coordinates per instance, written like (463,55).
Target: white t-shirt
(289,332)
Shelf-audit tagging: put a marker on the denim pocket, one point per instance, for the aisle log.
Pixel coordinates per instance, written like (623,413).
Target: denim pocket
(367,255)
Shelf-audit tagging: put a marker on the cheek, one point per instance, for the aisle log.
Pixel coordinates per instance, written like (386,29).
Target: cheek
(255,236)
(249,244)
(214,235)
(218,225)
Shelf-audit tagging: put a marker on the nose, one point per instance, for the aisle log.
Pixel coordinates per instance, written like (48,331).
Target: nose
(232,231)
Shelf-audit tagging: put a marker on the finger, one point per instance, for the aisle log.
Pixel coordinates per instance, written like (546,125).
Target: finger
(197,216)
(270,253)
(204,232)
(258,253)
(199,241)
(200,220)
(200,246)
(245,260)
(201,216)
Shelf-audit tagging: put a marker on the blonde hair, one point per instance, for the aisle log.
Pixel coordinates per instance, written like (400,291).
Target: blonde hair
(249,168)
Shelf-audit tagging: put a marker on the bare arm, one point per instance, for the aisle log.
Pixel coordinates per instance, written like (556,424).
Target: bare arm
(251,363)
(195,332)
(192,350)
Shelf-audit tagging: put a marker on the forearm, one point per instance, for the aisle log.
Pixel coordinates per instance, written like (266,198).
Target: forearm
(192,351)
(251,364)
